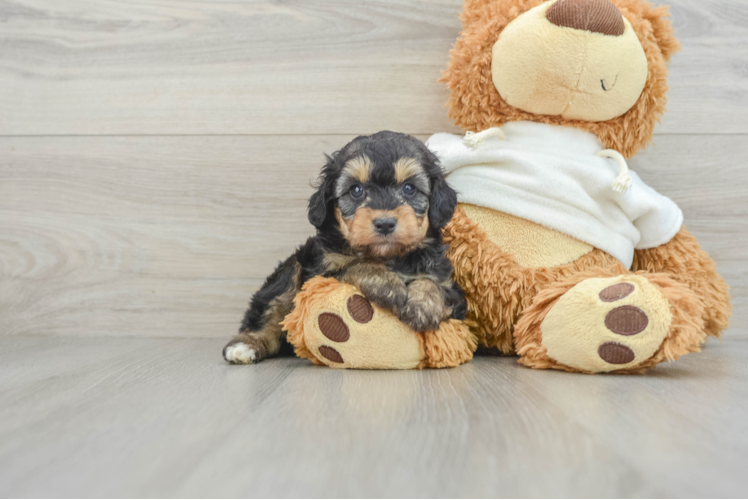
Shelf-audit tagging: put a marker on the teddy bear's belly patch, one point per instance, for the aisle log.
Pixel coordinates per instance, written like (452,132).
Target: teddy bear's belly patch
(531,244)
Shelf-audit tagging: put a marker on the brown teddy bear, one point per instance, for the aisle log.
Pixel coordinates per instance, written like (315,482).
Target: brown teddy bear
(566,257)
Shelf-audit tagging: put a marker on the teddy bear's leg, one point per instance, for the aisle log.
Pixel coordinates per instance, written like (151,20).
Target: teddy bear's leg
(683,259)
(334,324)
(605,323)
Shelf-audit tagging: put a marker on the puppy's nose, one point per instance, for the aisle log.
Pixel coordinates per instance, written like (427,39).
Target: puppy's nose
(597,16)
(385,225)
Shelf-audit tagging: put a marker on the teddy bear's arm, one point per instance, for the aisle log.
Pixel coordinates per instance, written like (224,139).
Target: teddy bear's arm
(684,260)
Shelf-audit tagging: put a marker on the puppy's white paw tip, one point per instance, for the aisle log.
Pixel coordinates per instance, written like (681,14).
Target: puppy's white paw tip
(240,353)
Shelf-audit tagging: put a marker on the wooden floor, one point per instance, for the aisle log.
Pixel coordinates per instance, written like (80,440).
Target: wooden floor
(155,162)
(166,417)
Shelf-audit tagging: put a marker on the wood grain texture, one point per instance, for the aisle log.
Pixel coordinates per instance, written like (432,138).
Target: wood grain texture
(151,236)
(167,417)
(169,236)
(320,66)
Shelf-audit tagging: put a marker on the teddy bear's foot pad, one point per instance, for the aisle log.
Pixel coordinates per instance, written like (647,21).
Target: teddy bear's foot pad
(335,325)
(607,324)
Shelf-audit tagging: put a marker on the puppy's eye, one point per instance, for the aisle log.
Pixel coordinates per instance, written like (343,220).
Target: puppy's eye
(357,191)
(409,189)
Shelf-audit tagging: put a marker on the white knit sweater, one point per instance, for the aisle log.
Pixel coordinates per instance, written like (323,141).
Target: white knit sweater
(551,175)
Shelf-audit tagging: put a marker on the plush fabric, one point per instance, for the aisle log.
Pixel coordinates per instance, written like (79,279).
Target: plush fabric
(475,104)
(332,324)
(567,72)
(576,329)
(589,314)
(685,261)
(508,302)
(550,175)
(451,345)
(497,288)
(530,244)
(685,334)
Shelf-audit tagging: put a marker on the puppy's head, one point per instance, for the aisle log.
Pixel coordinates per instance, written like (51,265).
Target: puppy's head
(384,193)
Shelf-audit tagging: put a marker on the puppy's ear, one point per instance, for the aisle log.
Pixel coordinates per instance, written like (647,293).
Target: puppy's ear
(442,203)
(321,202)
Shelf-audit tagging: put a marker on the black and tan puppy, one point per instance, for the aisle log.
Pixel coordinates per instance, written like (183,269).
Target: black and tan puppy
(379,210)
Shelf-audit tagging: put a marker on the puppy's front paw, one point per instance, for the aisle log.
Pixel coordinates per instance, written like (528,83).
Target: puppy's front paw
(391,295)
(242,351)
(240,354)
(421,317)
(424,309)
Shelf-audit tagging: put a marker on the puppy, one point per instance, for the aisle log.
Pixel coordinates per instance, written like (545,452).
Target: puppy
(379,209)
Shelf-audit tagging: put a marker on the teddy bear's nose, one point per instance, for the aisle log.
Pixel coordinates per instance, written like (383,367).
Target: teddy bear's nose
(598,16)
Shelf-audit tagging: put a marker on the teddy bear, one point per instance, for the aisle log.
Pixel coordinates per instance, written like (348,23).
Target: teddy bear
(567,258)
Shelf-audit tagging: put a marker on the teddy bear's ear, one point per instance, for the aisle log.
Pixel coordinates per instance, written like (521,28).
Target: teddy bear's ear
(662,29)
(471,10)
(479,10)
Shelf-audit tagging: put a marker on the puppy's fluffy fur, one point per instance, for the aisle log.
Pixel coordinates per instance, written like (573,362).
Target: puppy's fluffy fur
(379,209)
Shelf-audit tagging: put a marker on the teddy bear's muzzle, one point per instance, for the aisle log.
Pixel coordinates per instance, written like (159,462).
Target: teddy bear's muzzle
(579,59)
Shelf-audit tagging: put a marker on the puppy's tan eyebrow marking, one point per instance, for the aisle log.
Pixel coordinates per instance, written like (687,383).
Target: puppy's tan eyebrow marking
(405,168)
(358,168)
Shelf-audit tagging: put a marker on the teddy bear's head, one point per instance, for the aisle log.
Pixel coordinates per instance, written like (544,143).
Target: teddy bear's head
(598,65)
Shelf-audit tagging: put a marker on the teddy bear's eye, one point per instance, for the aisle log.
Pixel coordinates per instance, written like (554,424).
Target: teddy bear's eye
(357,191)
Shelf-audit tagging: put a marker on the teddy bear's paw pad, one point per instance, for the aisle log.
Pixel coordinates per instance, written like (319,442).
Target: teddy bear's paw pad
(626,320)
(607,324)
(331,354)
(360,309)
(616,354)
(333,327)
(240,354)
(616,292)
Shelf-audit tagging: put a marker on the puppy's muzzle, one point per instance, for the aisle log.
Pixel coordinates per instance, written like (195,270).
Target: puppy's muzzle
(384,225)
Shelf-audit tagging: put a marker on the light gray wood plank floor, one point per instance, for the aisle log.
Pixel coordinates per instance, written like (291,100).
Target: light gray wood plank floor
(167,417)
